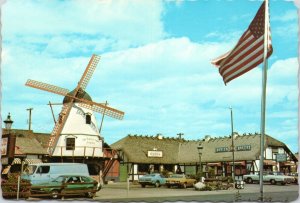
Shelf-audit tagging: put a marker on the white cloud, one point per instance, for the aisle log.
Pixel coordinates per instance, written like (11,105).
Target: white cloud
(289,15)
(163,85)
(116,20)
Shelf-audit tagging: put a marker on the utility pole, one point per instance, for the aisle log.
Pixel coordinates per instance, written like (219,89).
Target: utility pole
(29,122)
(179,135)
(232,146)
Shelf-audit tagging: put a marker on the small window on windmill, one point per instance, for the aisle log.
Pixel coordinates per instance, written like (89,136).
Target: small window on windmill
(70,143)
(88,118)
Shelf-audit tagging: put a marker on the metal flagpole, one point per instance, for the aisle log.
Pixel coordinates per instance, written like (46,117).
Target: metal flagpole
(263,98)
(232,147)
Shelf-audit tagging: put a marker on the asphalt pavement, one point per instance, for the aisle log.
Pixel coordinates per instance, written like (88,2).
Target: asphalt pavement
(120,192)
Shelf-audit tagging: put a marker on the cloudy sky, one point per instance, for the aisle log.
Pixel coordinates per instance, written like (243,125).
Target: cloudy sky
(155,65)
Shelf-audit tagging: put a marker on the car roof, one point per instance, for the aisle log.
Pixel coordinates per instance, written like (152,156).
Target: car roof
(73,176)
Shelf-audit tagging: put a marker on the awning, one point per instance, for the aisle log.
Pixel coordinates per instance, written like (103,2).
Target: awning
(270,162)
(27,161)
(288,163)
(214,164)
(238,163)
(16,161)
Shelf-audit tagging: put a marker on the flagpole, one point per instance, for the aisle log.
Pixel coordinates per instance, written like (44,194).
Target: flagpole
(263,98)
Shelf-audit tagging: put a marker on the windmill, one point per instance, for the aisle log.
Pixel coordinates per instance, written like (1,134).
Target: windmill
(76,122)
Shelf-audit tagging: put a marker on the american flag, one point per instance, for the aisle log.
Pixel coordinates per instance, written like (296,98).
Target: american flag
(249,51)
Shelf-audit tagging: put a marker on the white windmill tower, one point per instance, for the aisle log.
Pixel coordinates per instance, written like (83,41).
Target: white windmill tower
(76,134)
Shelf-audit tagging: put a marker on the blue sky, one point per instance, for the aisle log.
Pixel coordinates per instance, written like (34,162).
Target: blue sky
(155,65)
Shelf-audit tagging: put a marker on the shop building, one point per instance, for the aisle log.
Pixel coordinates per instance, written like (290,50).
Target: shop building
(20,146)
(139,155)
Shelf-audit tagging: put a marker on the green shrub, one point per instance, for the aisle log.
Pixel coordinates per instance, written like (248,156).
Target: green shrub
(206,188)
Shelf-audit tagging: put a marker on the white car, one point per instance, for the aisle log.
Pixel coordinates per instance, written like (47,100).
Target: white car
(271,177)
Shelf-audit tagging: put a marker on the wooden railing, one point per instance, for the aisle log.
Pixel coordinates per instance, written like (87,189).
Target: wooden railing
(37,191)
(10,190)
(78,151)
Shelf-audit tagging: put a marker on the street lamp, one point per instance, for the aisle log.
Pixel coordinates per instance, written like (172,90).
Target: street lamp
(8,122)
(200,148)
(11,139)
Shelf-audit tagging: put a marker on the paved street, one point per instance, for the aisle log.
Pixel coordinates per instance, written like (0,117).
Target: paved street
(118,192)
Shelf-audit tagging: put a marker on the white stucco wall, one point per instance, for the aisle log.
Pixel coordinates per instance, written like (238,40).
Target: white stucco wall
(88,142)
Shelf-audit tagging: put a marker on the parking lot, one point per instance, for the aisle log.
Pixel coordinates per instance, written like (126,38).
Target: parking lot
(116,192)
(119,191)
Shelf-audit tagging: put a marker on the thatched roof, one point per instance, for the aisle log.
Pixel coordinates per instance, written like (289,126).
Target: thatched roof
(28,142)
(136,149)
(180,151)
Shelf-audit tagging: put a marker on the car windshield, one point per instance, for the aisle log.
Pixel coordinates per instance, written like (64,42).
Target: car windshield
(176,176)
(59,179)
(149,175)
(29,170)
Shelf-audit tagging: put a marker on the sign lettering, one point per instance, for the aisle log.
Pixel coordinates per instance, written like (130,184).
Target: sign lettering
(243,148)
(155,154)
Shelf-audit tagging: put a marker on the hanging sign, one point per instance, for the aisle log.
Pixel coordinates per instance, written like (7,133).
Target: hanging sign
(4,146)
(281,157)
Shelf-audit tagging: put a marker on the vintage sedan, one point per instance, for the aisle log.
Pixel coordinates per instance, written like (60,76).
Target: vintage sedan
(155,179)
(271,177)
(180,180)
(67,185)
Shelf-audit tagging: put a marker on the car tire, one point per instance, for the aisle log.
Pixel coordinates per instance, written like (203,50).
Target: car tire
(169,186)
(283,183)
(273,182)
(143,185)
(54,194)
(249,180)
(90,194)
(157,184)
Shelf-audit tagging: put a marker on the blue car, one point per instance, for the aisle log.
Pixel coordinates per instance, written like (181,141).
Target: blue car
(155,179)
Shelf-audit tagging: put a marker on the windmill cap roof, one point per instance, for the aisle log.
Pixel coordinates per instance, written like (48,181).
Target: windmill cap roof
(80,94)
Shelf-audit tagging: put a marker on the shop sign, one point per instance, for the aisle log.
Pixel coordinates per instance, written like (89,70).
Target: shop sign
(4,146)
(155,154)
(281,157)
(222,149)
(243,148)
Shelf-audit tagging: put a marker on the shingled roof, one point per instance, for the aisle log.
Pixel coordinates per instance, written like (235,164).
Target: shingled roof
(180,151)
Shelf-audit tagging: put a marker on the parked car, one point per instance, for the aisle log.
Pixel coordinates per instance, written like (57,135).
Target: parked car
(295,176)
(155,179)
(271,177)
(46,172)
(75,184)
(180,180)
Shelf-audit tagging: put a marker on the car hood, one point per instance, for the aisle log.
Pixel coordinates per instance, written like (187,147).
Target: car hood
(49,184)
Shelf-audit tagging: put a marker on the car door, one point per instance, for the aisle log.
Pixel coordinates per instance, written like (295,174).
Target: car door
(73,183)
(86,183)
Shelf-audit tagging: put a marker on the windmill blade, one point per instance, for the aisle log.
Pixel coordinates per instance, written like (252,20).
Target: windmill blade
(59,125)
(89,71)
(106,110)
(47,87)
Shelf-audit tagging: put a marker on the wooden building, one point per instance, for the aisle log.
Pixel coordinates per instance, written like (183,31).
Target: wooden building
(145,154)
